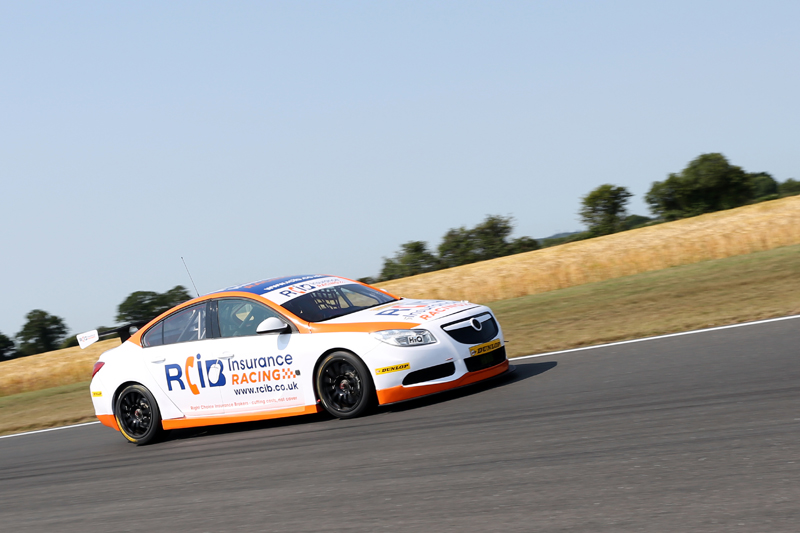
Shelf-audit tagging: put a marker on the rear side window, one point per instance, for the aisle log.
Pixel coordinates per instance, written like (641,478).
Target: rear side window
(186,325)
(154,337)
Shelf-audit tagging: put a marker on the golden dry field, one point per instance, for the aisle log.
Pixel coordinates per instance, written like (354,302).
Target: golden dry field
(51,369)
(740,231)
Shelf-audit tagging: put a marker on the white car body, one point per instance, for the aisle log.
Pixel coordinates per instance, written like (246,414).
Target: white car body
(216,379)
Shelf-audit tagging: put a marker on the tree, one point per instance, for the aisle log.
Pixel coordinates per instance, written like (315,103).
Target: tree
(789,187)
(487,240)
(142,306)
(457,248)
(412,259)
(763,184)
(460,246)
(634,221)
(490,237)
(603,209)
(524,244)
(8,350)
(709,183)
(42,332)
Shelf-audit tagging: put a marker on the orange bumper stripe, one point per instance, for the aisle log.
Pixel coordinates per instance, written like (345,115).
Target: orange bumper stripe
(401,393)
(108,420)
(178,423)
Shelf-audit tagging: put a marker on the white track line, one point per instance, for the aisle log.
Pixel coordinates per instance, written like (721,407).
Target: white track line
(657,338)
(524,357)
(48,429)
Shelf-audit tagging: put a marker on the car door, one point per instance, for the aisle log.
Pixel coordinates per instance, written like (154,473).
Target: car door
(261,370)
(176,354)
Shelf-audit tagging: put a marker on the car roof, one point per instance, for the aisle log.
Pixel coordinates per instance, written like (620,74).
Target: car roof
(268,285)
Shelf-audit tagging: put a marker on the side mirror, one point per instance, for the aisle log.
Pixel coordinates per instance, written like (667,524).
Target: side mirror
(272,325)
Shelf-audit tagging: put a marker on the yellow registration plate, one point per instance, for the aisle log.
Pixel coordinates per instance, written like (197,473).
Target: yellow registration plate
(484,348)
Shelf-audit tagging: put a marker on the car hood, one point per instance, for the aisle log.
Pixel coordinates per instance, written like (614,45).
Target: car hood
(412,312)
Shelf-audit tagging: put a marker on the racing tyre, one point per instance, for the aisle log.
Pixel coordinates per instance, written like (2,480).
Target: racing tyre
(137,413)
(344,385)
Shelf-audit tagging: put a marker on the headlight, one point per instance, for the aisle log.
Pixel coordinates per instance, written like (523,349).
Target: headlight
(405,337)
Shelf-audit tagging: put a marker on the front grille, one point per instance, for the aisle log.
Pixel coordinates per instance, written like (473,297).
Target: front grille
(430,373)
(479,362)
(469,335)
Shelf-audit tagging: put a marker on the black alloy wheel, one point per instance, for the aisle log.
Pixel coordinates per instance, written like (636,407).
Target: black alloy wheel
(137,413)
(344,385)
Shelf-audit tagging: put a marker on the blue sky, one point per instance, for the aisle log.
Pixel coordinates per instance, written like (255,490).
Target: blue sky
(261,139)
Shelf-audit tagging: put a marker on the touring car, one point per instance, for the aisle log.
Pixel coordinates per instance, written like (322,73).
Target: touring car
(289,346)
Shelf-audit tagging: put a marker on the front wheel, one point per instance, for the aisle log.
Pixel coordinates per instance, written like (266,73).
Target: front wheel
(137,413)
(344,385)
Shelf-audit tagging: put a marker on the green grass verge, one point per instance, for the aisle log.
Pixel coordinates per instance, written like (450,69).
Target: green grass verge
(711,293)
(58,406)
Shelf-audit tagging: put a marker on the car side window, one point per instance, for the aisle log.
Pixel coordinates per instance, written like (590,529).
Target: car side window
(155,336)
(240,317)
(186,325)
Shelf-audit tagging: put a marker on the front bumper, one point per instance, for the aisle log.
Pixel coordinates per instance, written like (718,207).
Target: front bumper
(401,393)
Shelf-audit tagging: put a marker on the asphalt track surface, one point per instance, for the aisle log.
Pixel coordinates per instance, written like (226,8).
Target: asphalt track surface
(693,433)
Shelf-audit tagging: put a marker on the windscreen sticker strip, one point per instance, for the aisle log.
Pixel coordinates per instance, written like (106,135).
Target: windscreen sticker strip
(422,310)
(286,291)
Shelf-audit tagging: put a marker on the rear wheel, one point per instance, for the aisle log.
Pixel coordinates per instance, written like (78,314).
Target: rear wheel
(344,385)
(137,413)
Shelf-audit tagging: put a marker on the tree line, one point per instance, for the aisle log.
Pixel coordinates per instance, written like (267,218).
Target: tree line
(460,246)
(43,332)
(708,183)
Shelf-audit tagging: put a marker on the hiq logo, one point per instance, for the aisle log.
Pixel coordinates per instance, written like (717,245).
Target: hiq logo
(213,372)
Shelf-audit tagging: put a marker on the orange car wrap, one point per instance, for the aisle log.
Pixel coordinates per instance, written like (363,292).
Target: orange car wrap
(109,421)
(180,423)
(359,327)
(302,326)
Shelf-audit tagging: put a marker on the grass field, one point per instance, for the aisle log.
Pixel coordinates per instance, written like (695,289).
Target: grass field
(710,293)
(57,406)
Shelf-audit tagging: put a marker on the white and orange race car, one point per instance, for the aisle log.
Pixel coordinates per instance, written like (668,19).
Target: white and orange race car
(290,346)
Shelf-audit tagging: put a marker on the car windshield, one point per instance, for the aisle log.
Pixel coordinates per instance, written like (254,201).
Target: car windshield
(333,302)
